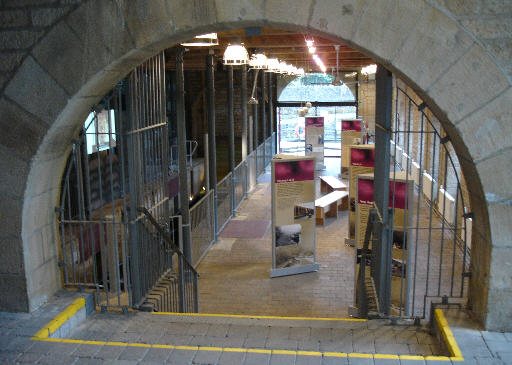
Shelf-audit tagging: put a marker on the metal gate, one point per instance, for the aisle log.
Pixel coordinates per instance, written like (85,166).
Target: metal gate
(117,235)
(419,255)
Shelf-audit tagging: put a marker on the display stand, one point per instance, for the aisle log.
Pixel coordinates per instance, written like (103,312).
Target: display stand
(401,197)
(351,133)
(315,140)
(362,161)
(293,215)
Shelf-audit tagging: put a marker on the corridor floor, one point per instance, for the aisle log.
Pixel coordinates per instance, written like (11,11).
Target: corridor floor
(235,274)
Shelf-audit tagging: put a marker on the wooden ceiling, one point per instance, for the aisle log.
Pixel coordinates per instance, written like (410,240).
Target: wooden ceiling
(286,46)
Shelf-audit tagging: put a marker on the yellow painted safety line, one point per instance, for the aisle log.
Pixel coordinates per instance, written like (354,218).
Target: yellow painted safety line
(60,319)
(258,317)
(44,333)
(451,343)
(257,351)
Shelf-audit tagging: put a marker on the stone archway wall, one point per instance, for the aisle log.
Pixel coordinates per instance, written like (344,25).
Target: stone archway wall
(442,52)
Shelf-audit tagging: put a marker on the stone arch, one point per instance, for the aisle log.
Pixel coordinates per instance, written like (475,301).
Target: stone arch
(89,50)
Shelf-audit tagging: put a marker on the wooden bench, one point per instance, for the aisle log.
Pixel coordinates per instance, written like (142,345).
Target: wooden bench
(329,184)
(328,205)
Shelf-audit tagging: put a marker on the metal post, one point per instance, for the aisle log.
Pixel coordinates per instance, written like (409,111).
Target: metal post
(243,102)
(271,105)
(231,143)
(206,162)
(263,85)
(210,117)
(383,110)
(182,156)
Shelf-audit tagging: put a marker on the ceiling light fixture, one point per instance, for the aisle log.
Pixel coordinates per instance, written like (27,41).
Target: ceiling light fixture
(272,65)
(258,61)
(202,40)
(369,70)
(235,55)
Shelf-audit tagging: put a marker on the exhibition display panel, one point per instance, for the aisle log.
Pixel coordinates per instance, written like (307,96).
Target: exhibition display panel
(362,161)
(351,134)
(315,140)
(293,215)
(401,197)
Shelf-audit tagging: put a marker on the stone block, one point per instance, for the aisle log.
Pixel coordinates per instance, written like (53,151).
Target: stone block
(435,43)
(18,39)
(13,18)
(282,11)
(148,22)
(495,177)
(500,217)
(42,283)
(385,25)
(190,14)
(501,49)
(21,3)
(470,83)
(17,300)
(33,83)
(100,23)
(35,257)
(229,11)
(488,130)
(489,28)
(45,17)
(341,22)
(17,124)
(48,175)
(38,213)
(15,171)
(501,270)
(11,260)
(69,68)
(10,215)
(499,310)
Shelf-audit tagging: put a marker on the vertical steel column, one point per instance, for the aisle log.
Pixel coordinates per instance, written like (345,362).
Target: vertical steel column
(263,117)
(231,143)
(270,105)
(210,117)
(383,110)
(243,101)
(263,85)
(182,155)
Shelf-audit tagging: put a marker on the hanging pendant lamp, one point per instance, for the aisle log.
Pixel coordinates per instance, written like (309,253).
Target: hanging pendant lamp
(235,55)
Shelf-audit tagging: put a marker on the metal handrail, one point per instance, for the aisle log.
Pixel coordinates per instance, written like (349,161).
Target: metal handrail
(166,236)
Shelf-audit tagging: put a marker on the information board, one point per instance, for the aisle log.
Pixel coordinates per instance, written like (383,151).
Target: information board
(293,215)
(315,140)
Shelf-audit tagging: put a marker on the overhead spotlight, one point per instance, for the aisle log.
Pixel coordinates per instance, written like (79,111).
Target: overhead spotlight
(309,43)
(312,49)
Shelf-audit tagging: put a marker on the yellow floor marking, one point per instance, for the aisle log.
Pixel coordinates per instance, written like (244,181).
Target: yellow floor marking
(258,317)
(60,319)
(447,334)
(257,351)
(384,356)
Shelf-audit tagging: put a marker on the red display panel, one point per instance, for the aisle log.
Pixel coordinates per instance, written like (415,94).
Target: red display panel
(287,171)
(362,157)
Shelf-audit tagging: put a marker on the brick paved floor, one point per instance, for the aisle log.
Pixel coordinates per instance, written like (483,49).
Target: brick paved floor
(235,275)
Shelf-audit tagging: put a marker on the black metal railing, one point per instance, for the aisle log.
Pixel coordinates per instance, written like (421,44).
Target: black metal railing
(177,289)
